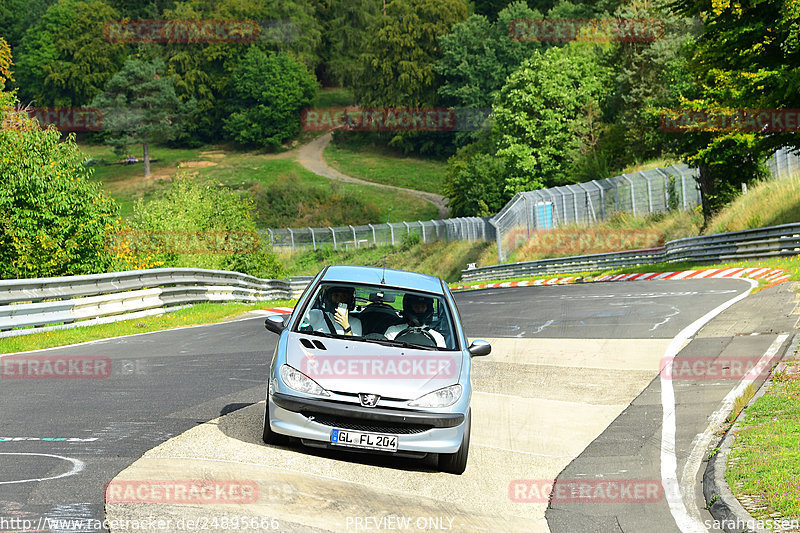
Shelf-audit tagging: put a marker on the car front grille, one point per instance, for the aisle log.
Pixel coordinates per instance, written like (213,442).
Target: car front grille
(372,426)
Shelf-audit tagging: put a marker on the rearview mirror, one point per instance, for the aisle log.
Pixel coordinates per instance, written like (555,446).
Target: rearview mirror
(275,323)
(479,347)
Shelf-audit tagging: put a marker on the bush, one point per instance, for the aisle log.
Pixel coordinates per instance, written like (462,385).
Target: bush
(271,90)
(53,220)
(200,226)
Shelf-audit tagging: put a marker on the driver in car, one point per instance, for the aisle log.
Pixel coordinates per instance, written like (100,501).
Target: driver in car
(418,313)
(333,318)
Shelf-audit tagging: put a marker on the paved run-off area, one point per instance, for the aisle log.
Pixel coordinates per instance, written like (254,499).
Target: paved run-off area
(552,385)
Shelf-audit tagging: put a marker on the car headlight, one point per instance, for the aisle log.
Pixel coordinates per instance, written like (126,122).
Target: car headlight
(439,398)
(298,381)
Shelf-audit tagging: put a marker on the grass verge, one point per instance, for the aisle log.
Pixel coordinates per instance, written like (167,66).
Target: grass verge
(381,165)
(204,313)
(764,464)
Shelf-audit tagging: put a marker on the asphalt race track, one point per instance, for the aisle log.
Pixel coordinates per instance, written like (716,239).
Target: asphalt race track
(571,391)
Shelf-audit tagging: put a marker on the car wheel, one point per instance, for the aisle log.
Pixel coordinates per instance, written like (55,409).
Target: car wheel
(456,463)
(269,436)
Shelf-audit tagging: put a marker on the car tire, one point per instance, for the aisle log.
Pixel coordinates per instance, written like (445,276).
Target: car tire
(269,436)
(456,463)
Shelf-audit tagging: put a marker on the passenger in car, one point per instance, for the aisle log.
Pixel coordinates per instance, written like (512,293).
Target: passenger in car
(332,318)
(418,313)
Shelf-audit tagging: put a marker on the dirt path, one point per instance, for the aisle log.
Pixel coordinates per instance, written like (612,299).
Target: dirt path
(311,158)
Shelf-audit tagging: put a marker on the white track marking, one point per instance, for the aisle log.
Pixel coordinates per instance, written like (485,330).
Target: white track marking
(77,466)
(669,461)
(715,421)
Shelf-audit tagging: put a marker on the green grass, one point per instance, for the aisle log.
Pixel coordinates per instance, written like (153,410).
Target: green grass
(381,165)
(766,204)
(242,170)
(335,97)
(444,259)
(204,313)
(764,463)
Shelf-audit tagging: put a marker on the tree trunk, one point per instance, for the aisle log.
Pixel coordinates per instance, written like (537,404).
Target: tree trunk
(146,150)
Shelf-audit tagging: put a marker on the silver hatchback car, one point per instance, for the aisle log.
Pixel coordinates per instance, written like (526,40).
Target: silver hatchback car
(373,360)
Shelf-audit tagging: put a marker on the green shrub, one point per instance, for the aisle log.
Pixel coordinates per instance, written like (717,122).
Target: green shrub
(53,220)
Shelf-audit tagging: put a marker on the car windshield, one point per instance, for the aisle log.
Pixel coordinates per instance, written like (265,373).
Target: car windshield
(381,315)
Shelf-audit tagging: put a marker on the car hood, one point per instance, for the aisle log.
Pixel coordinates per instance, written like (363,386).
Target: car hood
(352,367)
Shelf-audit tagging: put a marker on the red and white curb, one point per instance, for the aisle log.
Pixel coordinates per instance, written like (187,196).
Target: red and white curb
(772,275)
(274,311)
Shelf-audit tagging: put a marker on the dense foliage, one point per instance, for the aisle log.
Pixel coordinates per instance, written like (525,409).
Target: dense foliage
(53,220)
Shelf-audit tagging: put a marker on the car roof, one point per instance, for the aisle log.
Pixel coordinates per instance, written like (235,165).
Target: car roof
(392,277)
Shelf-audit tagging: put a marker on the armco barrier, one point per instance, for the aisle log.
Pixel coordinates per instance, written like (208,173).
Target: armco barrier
(773,241)
(55,303)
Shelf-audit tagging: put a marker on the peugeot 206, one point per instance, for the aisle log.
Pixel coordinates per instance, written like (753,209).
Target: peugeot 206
(373,360)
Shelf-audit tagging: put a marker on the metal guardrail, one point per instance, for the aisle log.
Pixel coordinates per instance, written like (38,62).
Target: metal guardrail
(773,241)
(45,304)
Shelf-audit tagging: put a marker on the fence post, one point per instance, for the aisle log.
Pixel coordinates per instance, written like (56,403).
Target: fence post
(355,239)
(313,239)
(421,225)
(666,188)
(391,228)
(683,185)
(408,228)
(588,205)
(271,238)
(291,234)
(633,194)
(374,238)
(574,202)
(649,191)
(602,198)
(334,237)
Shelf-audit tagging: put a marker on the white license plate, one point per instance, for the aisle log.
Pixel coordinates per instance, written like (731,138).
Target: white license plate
(369,441)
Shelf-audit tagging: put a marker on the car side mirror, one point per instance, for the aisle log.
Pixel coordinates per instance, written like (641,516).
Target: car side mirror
(479,347)
(275,323)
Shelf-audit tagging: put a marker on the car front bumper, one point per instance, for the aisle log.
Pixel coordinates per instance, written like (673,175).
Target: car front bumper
(300,417)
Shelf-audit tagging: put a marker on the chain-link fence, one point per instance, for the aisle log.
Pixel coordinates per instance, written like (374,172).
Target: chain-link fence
(349,237)
(784,164)
(640,193)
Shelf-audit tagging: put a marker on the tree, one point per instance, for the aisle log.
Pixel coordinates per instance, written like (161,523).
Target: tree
(477,57)
(64,59)
(194,225)
(203,71)
(398,63)
(53,220)
(16,16)
(271,90)
(346,33)
(647,75)
(745,58)
(139,105)
(475,181)
(545,111)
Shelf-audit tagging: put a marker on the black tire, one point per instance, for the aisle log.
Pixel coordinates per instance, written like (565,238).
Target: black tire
(269,436)
(456,463)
